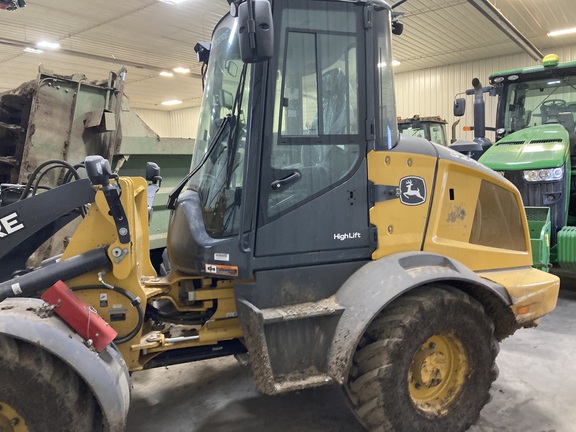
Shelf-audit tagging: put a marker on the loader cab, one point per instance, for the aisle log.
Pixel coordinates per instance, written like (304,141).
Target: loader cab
(281,141)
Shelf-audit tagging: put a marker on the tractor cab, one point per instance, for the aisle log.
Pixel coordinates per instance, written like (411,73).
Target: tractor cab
(535,143)
(432,128)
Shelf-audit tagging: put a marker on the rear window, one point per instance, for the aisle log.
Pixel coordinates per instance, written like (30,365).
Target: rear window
(497,221)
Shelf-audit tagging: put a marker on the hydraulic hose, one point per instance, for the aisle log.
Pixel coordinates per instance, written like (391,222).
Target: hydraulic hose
(44,277)
(134,301)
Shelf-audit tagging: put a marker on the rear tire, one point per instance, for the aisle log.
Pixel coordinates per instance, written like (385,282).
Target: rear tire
(39,392)
(425,364)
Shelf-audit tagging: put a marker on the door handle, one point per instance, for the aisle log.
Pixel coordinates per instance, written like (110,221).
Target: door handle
(291,178)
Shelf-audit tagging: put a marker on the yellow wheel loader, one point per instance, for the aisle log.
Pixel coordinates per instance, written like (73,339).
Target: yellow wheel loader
(309,234)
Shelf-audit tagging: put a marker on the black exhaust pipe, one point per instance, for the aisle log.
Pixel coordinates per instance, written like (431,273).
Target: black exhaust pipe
(480,115)
(44,277)
(479,110)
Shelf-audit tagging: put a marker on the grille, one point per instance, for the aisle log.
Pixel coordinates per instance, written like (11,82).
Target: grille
(534,194)
(546,141)
(511,143)
(536,214)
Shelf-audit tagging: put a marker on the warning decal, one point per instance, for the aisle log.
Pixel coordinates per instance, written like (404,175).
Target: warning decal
(222,270)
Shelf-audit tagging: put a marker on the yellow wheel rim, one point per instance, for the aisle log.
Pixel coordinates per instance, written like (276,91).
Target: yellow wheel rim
(437,373)
(10,420)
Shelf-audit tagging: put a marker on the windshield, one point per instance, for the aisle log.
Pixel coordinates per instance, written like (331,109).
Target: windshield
(539,102)
(221,133)
(431,131)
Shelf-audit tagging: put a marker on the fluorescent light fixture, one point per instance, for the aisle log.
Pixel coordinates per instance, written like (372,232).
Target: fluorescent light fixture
(171,102)
(181,70)
(48,44)
(562,32)
(553,82)
(166,74)
(33,50)
(384,64)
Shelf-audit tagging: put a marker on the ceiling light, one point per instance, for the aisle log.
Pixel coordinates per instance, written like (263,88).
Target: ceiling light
(562,32)
(384,64)
(33,50)
(181,70)
(48,44)
(171,102)
(173,1)
(166,74)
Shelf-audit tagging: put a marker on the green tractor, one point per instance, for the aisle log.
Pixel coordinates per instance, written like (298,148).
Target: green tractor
(534,149)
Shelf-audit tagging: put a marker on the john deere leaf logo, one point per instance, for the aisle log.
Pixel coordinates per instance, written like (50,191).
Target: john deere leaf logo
(412,191)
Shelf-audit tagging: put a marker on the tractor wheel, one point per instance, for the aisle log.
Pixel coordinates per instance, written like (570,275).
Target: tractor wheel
(39,392)
(425,364)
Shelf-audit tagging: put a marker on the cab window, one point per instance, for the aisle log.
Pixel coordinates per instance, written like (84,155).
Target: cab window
(316,117)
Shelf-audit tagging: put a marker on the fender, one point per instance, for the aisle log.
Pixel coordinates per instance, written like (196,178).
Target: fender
(105,373)
(376,284)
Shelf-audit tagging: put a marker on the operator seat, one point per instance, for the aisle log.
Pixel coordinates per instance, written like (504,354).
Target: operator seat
(335,102)
(335,110)
(567,120)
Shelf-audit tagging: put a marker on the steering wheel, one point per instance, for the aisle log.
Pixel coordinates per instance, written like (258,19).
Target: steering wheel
(554,103)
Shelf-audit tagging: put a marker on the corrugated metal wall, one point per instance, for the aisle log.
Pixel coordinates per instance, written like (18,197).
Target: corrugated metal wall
(171,124)
(426,92)
(159,121)
(430,92)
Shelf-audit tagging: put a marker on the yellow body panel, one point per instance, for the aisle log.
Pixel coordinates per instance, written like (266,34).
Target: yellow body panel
(533,292)
(450,205)
(400,227)
(451,220)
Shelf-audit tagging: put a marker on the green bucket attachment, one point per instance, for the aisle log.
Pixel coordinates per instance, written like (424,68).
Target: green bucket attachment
(539,225)
(567,247)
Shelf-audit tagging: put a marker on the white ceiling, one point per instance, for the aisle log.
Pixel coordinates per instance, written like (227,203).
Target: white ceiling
(147,36)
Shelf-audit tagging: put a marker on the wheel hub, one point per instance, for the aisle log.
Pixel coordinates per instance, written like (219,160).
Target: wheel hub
(10,420)
(437,373)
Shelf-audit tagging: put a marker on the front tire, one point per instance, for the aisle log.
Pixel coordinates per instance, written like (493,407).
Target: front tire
(39,392)
(425,364)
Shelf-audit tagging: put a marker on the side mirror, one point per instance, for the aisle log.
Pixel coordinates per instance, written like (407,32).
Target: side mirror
(153,176)
(153,172)
(397,28)
(256,32)
(459,107)
(202,50)
(98,170)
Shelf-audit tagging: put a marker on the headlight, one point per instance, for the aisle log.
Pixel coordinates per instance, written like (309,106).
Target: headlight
(543,175)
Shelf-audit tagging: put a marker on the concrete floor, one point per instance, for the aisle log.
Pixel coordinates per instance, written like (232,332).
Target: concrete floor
(535,392)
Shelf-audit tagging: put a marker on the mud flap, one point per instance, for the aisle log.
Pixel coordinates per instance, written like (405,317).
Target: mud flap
(105,373)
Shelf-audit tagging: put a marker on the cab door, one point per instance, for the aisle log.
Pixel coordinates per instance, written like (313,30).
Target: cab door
(313,185)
